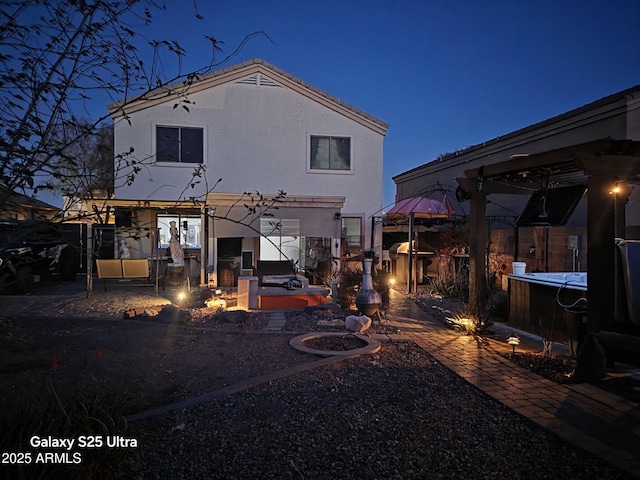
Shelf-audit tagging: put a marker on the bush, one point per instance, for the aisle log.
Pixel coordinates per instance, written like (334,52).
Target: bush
(470,320)
(498,304)
(452,286)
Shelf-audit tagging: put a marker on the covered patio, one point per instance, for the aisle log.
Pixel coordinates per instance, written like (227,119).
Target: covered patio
(610,169)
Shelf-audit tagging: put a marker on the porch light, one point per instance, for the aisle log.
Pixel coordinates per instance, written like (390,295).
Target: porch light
(181,296)
(513,340)
(392,281)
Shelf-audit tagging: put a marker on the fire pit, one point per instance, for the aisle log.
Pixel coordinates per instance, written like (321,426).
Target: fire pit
(319,343)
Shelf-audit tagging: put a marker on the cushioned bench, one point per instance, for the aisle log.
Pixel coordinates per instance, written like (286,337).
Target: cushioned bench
(131,271)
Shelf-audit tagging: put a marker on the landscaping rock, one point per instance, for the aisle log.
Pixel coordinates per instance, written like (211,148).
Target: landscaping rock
(356,323)
(140,312)
(233,316)
(173,314)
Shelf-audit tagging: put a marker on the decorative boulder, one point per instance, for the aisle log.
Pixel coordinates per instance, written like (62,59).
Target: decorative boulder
(174,314)
(140,312)
(233,316)
(356,323)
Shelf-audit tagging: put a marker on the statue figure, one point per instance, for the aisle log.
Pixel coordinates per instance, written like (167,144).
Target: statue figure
(177,254)
(123,249)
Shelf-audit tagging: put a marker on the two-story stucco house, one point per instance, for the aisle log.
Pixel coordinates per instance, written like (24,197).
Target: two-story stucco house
(250,127)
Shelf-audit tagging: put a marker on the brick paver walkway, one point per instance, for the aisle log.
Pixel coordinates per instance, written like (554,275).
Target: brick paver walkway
(597,421)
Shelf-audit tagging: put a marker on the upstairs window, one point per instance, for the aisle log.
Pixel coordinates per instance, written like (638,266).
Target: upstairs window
(179,144)
(330,153)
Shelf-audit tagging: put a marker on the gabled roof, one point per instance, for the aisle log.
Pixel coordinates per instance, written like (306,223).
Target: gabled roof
(250,67)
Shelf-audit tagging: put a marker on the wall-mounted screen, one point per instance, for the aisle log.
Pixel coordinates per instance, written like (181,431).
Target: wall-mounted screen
(551,207)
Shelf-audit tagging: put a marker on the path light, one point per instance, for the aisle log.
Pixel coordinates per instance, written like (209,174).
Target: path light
(181,297)
(513,340)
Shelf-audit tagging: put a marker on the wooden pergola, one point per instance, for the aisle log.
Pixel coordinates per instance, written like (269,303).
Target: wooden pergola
(610,168)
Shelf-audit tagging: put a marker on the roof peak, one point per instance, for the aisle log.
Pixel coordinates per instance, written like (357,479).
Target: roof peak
(230,73)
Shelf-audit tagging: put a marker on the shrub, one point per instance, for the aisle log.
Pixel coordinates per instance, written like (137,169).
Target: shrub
(350,282)
(498,304)
(452,286)
(470,320)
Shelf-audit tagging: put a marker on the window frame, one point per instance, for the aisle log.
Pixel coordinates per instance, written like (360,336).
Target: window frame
(311,169)
(180,128)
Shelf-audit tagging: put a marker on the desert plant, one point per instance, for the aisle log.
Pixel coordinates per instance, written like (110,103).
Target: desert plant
(470,320)
(382,285)
(350,282)
(452,286)
(498,304)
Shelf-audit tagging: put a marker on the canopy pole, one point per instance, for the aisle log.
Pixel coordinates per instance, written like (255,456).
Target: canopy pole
(410,276)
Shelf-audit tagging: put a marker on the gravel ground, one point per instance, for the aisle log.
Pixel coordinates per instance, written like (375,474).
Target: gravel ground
(398,414)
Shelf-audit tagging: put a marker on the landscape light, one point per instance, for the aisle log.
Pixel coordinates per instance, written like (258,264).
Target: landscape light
(513,340)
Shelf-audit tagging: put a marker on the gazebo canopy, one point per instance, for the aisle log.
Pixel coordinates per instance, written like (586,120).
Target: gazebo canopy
(421,207)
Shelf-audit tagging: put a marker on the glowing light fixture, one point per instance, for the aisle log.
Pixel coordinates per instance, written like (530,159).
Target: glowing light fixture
(513,340)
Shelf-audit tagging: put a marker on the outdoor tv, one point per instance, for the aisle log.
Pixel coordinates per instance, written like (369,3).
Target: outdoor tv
(551,207)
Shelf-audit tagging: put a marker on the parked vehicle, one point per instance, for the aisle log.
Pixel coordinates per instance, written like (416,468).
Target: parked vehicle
(32,251)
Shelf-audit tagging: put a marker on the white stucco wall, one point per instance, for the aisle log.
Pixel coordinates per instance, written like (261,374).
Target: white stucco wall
(256,138)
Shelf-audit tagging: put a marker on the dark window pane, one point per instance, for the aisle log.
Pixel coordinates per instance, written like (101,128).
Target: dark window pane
(191,145)
(167,144)
(320,152)
(330,153)
(340,153)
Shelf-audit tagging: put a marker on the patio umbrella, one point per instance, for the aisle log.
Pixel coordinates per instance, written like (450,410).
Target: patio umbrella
(421,207)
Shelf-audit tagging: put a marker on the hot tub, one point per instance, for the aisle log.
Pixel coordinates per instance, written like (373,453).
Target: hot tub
(534,307)
(569,280)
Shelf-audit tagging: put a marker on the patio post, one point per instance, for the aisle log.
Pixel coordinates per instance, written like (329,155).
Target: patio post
(477,248)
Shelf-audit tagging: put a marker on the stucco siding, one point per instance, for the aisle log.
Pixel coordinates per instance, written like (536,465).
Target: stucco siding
(256,138)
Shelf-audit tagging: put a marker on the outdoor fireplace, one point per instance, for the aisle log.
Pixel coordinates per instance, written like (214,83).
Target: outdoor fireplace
(368,300)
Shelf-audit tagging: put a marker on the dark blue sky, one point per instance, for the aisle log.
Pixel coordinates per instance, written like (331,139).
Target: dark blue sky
(444,74)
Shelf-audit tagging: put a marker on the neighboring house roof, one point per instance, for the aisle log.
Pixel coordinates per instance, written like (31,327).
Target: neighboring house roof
(18,201)
(29,202)
(629,93)
(240,70)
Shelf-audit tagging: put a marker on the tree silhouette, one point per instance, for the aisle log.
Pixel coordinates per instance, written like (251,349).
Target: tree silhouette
(56,57)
